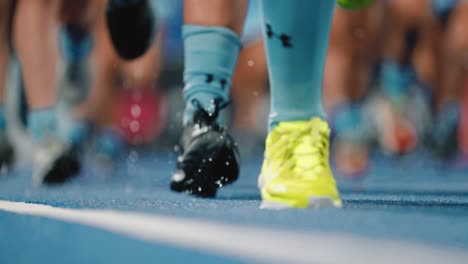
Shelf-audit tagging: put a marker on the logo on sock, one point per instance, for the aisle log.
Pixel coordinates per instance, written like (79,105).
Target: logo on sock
(285,39)
(210,79)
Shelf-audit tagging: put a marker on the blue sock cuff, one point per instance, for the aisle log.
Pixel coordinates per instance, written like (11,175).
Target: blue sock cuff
(396,78)
(110,143)
(77,133)
(75,46)
(210,58)
(189,30)
(347,118)
(42,122)
(427,91)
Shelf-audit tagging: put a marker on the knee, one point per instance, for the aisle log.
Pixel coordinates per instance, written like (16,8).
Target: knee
(409,13)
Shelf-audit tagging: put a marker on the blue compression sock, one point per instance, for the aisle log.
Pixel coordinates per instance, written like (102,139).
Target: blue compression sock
(74,132)
(76,44)
(296,35)
(45,122)
(42,122)
(210,58)
(347,121)
(395,79)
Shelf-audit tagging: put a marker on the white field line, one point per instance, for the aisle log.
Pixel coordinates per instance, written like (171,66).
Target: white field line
(248,243)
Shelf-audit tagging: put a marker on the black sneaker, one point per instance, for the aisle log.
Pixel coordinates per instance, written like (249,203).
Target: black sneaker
(56,162)
(209,156)
(444,135)
(6,154)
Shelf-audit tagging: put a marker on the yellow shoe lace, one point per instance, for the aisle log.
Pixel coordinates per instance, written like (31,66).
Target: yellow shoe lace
(302,147)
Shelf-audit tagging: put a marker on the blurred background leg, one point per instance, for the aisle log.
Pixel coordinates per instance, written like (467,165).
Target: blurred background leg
(6,149)
(453,58)
(403,107)
(35,37)
(354,52)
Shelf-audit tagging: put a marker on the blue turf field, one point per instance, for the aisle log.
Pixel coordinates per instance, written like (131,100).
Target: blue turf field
(408,199)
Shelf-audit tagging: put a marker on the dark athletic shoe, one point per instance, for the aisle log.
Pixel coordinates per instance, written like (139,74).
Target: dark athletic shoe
(56,162)
(6,154)
(209,156)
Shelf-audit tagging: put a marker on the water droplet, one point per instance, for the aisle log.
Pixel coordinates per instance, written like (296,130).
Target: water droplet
(250,63)
(134,126)
(135,110)
(199,170)
(199,189)
(227,163)
(210,159)
(219,183)
(176,148)
(133,156)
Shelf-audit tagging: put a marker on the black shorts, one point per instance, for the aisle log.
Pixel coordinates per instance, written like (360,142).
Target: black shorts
(443,9)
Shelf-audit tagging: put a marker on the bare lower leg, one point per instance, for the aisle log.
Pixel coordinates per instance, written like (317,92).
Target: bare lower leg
(404,17)
(83,14)
(35,36)
(113,72)
(98,106)
(4,53)
(454,57)
(338,63)
(354,49)
(227,13)
(353,52)
(249,83)
(427,57)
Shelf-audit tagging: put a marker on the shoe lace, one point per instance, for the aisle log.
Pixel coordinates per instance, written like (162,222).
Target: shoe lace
(203,116)
(305,150)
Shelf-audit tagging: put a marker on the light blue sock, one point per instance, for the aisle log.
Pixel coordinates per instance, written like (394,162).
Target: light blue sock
(75,132)
(210,58)
(42,122)
(296,35)
(348,122)
(76,45)
(45,122)
(110,144)
(395,79)
(3,122)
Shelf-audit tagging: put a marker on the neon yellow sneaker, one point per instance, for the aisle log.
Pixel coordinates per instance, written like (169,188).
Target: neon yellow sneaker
(296,172)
